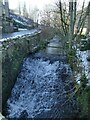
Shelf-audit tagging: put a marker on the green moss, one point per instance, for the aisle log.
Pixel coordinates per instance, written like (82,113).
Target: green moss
(84,102)
(72,59)
(83,98)
(83,81)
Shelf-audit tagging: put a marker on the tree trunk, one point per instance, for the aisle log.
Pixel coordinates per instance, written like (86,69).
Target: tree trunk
(74,13)
(71,24)
(88,26)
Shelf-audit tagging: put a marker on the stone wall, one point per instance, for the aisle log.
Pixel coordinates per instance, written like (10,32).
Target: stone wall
(14,50)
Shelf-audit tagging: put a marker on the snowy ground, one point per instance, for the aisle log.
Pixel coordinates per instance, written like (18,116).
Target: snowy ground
(85,63)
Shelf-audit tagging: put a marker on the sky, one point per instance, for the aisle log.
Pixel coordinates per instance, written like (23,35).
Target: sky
(13,4)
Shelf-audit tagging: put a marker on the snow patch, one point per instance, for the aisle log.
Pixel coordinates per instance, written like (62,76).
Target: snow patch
(22,33)
(82,55)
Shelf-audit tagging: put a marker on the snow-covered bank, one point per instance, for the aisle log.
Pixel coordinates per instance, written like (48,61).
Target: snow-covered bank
(82,55)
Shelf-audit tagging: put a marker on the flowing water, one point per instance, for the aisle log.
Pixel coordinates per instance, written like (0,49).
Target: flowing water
(41,87)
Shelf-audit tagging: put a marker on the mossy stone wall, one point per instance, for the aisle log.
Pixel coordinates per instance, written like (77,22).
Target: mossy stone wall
(14,50)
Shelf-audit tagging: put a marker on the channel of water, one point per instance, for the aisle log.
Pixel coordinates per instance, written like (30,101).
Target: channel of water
(43,86)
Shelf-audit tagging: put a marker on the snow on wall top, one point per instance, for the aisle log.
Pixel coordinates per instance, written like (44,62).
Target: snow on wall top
(23,34)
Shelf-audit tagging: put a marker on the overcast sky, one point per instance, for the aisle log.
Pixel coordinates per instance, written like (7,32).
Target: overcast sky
(13,4)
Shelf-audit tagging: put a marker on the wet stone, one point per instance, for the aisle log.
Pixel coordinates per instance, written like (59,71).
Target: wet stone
(23,114)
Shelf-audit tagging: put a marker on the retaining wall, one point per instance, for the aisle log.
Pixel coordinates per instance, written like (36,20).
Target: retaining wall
(14,50)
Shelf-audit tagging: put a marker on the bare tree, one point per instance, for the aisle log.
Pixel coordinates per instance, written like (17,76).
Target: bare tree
(46,15)
(68,19)
(19,8)
(25,13)
(71,24)
(34,14)
(45,18)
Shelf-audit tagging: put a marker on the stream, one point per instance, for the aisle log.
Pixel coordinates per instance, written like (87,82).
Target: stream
(43,86)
